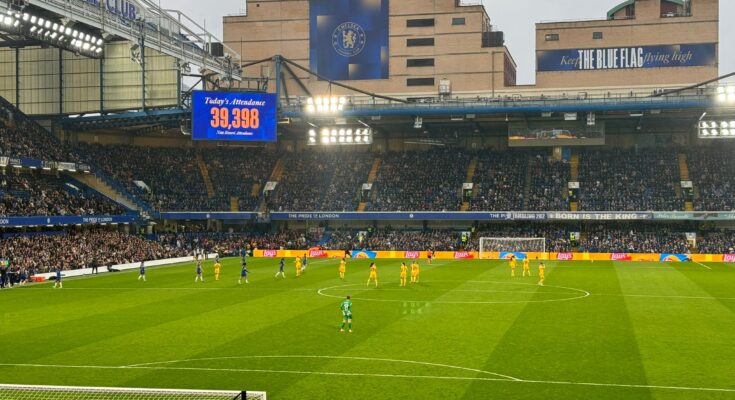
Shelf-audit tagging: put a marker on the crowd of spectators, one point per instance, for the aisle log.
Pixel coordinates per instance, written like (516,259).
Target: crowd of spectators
(34,194)
(321,181)
(240,173)
(232,243)
(171,175)
(548,183)
(348,177)
(628,180)
(22,137)
(390,239)
(711,170)
(72,250)
(420,181)
(717,242)
(607,239)
(500,181)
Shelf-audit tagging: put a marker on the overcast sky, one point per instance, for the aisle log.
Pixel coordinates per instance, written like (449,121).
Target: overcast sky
(515,17)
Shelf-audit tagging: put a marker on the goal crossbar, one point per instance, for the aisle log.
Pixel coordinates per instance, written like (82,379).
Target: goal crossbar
(40,392)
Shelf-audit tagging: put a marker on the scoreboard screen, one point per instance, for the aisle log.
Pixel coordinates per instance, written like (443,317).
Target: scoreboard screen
(238,116)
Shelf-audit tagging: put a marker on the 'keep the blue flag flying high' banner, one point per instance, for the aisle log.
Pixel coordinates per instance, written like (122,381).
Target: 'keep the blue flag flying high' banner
(683,55)
(349,39)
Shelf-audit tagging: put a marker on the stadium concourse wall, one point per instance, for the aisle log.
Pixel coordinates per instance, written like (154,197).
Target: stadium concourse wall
(474,255)
(119,267)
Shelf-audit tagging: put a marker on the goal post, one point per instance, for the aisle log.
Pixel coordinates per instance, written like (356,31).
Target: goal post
(34,392)
(511,245)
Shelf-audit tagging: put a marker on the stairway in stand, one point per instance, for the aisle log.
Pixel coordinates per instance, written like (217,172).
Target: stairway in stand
(471,169)
(527,187)
(205,175)
(278,170)
(371,179)
(574,174)
(684,174)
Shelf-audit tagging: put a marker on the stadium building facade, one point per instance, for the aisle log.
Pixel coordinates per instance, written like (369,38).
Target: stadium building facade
(400,47)
(654,43)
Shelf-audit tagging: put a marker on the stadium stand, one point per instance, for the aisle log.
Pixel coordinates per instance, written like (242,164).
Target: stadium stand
(717,242)
(420,181)
(627,180)
(389,239)
(171,175)
(238,173)
(708,168)
(548,183)
(316,181)
(73,250)
(22,137)
(34,194)
(633,239)
(232,243)
(500,180)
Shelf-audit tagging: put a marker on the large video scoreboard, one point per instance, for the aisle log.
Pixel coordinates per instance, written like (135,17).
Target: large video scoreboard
(238,116)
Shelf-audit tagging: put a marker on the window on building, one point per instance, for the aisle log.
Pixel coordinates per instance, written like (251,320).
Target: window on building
(419,23)
(458,21)
(596,35)
(420,82)
(420,42)
(420,62)
(552,37)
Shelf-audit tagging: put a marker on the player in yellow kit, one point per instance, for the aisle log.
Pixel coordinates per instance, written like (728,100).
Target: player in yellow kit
(217,269)
(342,269)
(373,275)
(541,277)
(512,266)
(415,270)
(526,267)
(404,273)
(298,266)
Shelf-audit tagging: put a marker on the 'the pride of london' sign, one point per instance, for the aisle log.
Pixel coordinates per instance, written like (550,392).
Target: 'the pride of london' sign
(685,55)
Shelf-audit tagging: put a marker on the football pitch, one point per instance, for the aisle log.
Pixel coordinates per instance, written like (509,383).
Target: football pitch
(467,330)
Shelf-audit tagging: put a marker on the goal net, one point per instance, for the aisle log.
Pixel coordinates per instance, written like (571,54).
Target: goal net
(28,392)
(511,245)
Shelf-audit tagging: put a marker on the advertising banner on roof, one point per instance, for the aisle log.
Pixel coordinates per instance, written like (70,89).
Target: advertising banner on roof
(615,58)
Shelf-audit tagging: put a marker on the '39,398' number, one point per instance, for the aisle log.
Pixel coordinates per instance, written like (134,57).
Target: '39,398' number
(239,118)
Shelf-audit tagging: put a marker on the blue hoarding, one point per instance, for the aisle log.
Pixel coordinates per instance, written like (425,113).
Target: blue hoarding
(234,116)
(611,58)
(349,39)
(9,222)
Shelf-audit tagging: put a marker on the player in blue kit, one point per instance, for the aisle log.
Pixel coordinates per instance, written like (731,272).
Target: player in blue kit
(243,272)
(142,271)
(281,265)
(23,278)
(58,279)
(199,272)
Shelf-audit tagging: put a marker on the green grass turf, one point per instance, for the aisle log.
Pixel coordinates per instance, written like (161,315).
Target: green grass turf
(467,331)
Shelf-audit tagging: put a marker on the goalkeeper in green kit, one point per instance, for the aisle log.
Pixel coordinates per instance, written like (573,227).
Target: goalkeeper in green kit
(346,308)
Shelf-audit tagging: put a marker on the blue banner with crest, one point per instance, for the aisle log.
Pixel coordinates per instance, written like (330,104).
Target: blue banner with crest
(349,39)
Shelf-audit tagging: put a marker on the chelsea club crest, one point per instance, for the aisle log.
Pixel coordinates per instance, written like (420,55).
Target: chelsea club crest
(348,39)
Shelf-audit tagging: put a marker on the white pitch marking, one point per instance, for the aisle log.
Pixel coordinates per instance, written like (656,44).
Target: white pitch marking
(699,263)
(584,294)
(330,358)
(594,384)
(665,296)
